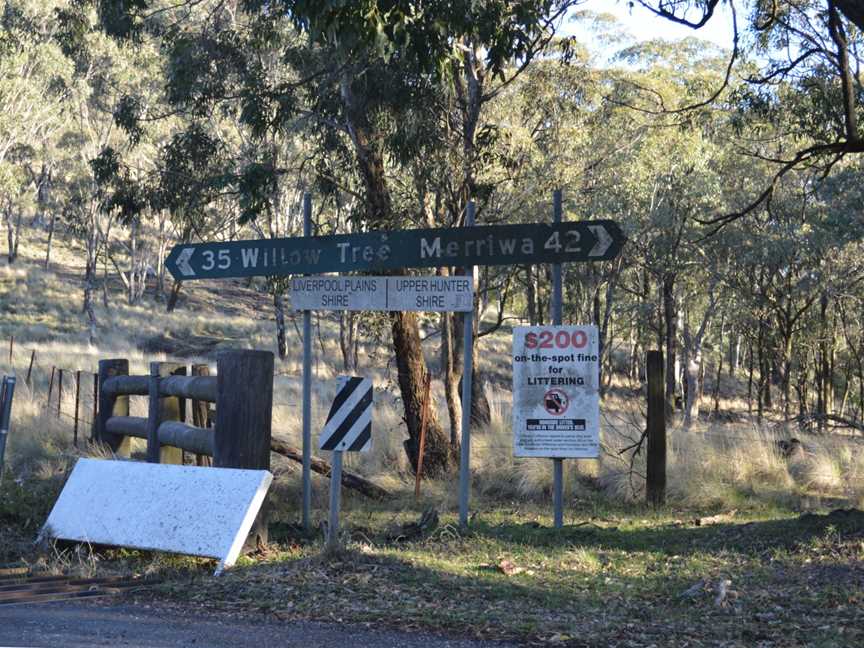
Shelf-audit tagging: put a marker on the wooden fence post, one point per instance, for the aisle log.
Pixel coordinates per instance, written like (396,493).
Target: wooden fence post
(162,409)
(244,408)
(30,368)
(112,406)
(201,413)
(77,402)
(50,389)
(95,420)
(655,487)
(59,390)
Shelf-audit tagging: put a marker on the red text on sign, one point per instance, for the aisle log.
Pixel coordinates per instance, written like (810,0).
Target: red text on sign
(557,340)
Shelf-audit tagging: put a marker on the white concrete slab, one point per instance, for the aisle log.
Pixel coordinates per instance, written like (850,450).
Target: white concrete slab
(182,509)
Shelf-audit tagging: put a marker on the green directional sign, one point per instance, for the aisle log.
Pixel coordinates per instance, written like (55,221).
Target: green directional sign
(389,250)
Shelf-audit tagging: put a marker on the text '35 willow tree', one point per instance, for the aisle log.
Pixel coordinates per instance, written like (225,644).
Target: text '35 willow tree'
(385,91)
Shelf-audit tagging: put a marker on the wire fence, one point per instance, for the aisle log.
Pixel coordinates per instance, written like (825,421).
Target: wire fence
(78,385)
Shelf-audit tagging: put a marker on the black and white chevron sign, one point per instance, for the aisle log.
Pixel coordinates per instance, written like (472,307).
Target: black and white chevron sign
(349,423)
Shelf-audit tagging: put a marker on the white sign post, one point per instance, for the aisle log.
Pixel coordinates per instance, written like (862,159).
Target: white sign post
(556,396)
(403,293)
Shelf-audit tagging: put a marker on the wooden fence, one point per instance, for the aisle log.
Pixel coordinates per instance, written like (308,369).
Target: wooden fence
(242,391)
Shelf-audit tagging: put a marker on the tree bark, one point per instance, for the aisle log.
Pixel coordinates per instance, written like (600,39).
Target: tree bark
(411,366)
(734,351)
(693,344)
(670,316)
(50,239)
(90,283)
(531,296)
(451,371)
(279,310)
(348,342)
(13,231)
(173,296)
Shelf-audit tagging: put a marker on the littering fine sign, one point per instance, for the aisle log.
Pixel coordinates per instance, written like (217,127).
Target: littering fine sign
(556,396)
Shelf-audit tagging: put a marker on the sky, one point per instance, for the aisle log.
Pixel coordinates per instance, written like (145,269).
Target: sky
(643,25)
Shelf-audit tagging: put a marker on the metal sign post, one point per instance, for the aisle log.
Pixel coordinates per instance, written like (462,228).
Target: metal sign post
(557,312)
(335,500)
(467,378)
(307,386)
(348,429)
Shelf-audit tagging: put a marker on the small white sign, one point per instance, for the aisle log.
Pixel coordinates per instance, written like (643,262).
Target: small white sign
(556,396)
(403,293)
(182,509)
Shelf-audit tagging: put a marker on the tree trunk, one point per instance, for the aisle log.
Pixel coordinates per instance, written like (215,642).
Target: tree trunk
(160,261)
(749,374)
(692,373)
(670,316)
(531,296)
(411,365)
(90,281)
(719,374)
(13,231)
(50,239)
(173,296)
(481,412)
(786,364)
(451,374)
(348,342)
(734,353)
(133,259)
(279,310)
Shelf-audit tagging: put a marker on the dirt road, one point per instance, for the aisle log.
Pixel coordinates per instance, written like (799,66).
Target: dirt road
(76,625)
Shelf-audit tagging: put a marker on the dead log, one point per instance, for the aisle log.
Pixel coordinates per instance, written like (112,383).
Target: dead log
(349,479)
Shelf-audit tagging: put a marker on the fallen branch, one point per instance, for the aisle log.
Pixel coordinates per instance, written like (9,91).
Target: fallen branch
(349,479)
(806,421)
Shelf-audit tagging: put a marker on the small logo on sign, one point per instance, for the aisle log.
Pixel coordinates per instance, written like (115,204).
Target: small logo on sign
(555,401)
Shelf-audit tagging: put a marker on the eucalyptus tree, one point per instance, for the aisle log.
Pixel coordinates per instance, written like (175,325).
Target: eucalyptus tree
(805,57)
(32,89)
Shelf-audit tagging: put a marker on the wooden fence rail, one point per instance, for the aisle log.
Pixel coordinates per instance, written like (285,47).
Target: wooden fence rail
(242,391)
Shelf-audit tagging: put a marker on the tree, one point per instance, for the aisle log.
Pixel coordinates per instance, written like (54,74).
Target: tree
(806,57)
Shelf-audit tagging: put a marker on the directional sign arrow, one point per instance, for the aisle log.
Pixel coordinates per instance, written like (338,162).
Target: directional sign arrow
(182,262)
(604,240)
(389,250)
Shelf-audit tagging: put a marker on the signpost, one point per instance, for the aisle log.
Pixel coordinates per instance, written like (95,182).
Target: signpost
(463,247)
(556,395)
(392,250)
(362,293)
(348,429)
